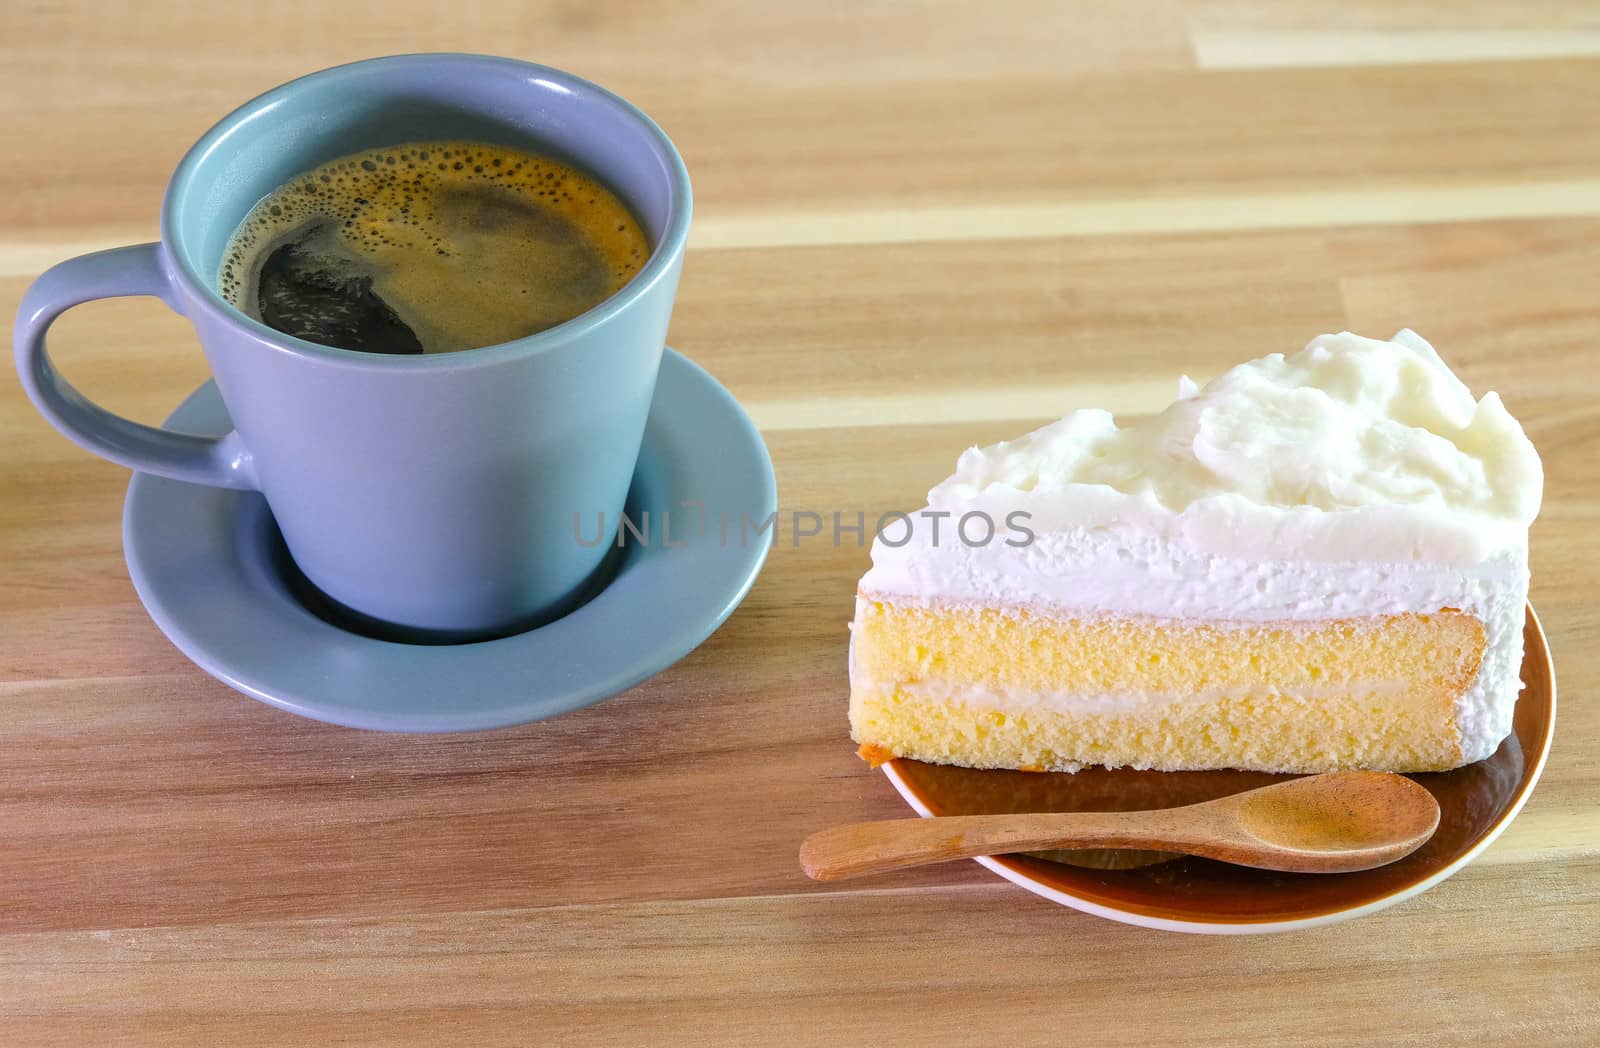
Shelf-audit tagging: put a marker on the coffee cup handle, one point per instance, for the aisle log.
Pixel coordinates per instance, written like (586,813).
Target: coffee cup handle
(125,271)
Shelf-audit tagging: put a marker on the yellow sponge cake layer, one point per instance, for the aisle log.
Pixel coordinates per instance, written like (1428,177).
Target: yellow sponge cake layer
(1264,733)
(1010,688)
(1017,648)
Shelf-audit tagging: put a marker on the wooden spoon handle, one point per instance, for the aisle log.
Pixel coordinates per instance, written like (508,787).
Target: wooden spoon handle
(874,847)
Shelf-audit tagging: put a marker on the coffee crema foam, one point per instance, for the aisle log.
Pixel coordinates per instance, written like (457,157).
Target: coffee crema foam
(431,247)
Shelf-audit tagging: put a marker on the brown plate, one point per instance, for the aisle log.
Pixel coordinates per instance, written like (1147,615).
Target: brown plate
(1198,895)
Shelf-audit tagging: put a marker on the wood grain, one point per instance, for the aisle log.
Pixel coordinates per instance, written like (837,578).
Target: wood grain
(941,965)
(917,228)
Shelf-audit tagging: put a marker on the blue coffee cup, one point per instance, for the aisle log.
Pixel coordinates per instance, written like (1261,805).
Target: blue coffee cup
(435,496)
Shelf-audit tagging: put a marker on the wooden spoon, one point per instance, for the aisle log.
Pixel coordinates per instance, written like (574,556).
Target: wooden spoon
(1333,823)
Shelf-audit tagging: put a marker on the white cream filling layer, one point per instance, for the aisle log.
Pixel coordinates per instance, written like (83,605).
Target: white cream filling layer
(1120,571)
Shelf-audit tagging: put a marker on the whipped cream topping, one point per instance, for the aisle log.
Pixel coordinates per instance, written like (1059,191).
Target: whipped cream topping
(1351,449)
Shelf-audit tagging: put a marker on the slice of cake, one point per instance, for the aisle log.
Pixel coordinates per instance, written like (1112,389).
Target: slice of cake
(1315,562)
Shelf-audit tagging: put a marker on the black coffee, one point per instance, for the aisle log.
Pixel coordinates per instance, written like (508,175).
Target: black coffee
(431,247)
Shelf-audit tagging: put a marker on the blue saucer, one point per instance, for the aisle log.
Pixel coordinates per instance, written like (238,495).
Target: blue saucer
(209,565)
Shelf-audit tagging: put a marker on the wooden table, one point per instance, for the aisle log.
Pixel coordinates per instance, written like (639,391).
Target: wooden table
(917,228)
